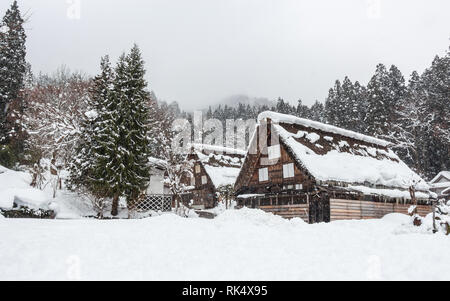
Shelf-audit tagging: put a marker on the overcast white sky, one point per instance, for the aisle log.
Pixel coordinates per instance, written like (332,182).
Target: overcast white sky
(201,51)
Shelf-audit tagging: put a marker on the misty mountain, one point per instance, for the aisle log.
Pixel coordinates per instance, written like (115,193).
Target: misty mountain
(235,100)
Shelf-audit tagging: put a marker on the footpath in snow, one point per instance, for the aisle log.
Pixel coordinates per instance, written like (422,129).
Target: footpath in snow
(238,245)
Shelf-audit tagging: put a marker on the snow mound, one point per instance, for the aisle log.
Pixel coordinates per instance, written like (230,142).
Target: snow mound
(397,218)
(29,197)
(15,188)
(255,217)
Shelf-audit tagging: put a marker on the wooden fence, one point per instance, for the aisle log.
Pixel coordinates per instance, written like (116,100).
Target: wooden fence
(289,211)
(346,210)
(354,209)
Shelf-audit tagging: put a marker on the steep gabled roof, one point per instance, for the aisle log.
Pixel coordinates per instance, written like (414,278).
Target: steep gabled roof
(443,174)
(222,164)
(331,154)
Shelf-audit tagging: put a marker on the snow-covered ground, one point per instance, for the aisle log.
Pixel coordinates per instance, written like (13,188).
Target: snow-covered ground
(238,245)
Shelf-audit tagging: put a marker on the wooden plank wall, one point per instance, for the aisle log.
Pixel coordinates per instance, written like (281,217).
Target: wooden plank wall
(276,173)
(354,209)
(289,211)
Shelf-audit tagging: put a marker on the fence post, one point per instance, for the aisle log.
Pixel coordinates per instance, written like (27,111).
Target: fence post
(434,215)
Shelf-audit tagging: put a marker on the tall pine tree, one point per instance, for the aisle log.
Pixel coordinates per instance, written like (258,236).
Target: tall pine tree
(115,145)
(376,118)
(334,106)
(384,93)
(12,66)
(435,118)
(97,134)
(129,170)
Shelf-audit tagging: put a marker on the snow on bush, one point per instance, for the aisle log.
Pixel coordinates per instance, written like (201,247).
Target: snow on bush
(414,223)
(443,217)
(15,188)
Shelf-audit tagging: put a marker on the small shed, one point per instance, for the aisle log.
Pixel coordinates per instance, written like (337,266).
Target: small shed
(157,176)
(157,197)
(301,168)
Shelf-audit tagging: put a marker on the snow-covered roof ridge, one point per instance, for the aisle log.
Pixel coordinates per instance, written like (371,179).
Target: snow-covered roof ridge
(445,191)
(218,149)
(157,162)
(289,119)
(444,173)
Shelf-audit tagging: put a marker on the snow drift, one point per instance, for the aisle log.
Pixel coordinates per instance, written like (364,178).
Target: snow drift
(15,188)
(242,244)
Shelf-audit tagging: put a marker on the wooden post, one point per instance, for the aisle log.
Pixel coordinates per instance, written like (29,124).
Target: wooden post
(434,215)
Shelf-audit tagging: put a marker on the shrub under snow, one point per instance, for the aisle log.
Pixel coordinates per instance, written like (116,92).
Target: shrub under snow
(441,222)
(443,217)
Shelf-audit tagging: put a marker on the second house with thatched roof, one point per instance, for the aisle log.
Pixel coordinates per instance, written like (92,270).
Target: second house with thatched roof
(214,172)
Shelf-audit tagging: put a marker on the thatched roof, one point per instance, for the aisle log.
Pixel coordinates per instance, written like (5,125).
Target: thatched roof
(331,154)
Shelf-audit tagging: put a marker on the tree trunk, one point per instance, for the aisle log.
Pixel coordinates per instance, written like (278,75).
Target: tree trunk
(115,205)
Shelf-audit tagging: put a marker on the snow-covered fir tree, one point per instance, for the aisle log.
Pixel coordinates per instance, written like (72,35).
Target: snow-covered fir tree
(302,110)
(333,105)
(376,118)
(86,174)
(351,105)
(127,170)
(116,143)
(318,112)
(359,107)
(12,65)
(284,107)
(384,93)
(435,119)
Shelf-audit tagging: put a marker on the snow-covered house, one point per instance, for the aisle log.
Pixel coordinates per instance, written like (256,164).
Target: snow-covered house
(301,168)
(157,175)
(214,167)
(441,185)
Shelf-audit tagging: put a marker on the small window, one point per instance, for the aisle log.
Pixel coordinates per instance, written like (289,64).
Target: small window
(288,170)
(204,180)
(274,152)
(197,169)
(264,174)
(299,187)
(192,181)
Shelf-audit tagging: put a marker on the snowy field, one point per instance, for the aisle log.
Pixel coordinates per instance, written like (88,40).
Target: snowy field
(238,245)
